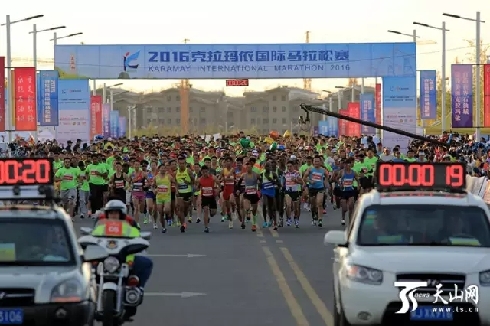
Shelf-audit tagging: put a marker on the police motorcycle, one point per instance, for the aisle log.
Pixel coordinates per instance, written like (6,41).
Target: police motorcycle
(118,292)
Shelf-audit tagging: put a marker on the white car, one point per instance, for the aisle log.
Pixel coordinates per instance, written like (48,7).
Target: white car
(439,238)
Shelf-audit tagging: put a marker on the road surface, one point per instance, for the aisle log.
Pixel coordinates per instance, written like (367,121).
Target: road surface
(240,278)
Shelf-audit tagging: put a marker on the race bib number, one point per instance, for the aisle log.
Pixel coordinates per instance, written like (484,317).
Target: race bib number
(316,177)
(68,177)
(114,228)
(119,184)
(162,189)
(207,191)
(250,190)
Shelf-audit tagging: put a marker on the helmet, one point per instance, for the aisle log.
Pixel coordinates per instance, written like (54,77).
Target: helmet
(116,205)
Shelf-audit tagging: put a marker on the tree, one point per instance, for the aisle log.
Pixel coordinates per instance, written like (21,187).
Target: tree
(477,71)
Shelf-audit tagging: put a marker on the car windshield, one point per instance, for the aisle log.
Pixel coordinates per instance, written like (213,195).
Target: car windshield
(424,225)
(35,242)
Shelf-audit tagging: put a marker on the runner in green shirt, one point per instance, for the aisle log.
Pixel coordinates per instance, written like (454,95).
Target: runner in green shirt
(68,178)
(97,172)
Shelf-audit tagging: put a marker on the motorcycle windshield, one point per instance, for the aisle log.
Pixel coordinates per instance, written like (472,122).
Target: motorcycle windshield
(112,229)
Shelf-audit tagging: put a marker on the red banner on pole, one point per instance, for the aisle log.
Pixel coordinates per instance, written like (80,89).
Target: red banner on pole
(342,123)
(353,111)
(95,115)
(2,94)
(377,101)
(25,99)
(486,95)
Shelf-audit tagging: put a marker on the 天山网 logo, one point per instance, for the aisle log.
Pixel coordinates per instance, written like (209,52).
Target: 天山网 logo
(129,58)
(408,291)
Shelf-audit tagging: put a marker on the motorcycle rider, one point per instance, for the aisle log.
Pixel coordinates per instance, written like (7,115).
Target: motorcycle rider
(115,210)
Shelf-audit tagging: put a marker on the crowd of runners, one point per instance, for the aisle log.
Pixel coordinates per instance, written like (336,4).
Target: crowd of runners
(170,181)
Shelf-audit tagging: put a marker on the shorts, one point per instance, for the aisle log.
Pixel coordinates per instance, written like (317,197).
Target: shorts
(346,194)
(337,192)
(150,195)
(186,196)
(209,202)
(172,196)
(105,188)
(121,195)
(228,192)
(366,182)
(162,200)
(294,195)
(312,192)
(252,198)
(68,195)
(138,195)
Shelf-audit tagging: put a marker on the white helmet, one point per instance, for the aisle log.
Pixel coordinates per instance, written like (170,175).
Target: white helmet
(116,205)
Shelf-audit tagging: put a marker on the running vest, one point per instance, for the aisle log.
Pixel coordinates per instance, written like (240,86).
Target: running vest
(347,181)
(207,186)
(229,178)
(268,186)
(140,181)
(163,185)
(250,184)
(119,184)
(181,177)
(290,183)
(316,178)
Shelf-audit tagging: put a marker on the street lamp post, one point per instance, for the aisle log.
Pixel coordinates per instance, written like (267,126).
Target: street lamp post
(330,99)
(111,95)
(478,22)
(34,33)
(56,38)
(443,72)
(8,115)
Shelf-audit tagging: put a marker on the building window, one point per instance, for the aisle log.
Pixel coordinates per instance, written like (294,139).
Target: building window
(169,110)
(265,131)
(203,121)
(264,121)
(177,121)
(169,121)
(283,98)
(295,109)
(161,110)
(284,120)
(265,109)
(274,109)
(252,121)
(177,98)
(148,121)
(253,109)
(283,109)
(177,109)
(274,98)
(191,109)
(169,98)
(229,114)
(274,120)
(203,109)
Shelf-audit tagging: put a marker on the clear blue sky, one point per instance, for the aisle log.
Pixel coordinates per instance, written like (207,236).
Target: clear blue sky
(253,21)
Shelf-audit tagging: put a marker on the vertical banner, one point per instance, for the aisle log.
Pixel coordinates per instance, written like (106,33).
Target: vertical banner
(367,113)
(25,99)
(114,123)
(106,125)
(47,107)
(486,94)
(2,94)
(428,94)
(377,96)
(323,127)
(74,110)
(462,95)
(353,111)
(95,115)
(333,126)
(122,127)
(343,123)
(399,109)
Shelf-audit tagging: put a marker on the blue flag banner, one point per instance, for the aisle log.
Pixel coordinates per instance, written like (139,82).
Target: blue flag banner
(47,108)
(114,124)
(323,127)
(74,110)
(122,127)
(428,94)
(462,95)
(367,113)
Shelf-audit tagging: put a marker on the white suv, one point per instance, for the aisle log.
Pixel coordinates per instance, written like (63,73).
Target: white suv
(439,238)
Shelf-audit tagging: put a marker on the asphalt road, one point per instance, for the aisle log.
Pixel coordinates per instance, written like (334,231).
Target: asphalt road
(237,277)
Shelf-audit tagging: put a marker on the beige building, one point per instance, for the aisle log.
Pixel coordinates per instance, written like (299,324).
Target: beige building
(211,112)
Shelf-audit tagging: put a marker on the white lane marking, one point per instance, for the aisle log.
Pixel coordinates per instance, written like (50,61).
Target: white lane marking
(183,295)
(185,255)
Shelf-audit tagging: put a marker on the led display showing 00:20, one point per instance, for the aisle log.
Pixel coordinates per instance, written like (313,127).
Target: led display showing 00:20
(421,175)
(26,171)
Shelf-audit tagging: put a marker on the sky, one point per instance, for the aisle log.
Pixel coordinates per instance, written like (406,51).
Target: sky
(254,21)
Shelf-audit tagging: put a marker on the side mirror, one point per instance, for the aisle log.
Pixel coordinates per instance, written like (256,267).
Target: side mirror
(85,230)
(335,237)
(146,235)
(87,241)
(94,253)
